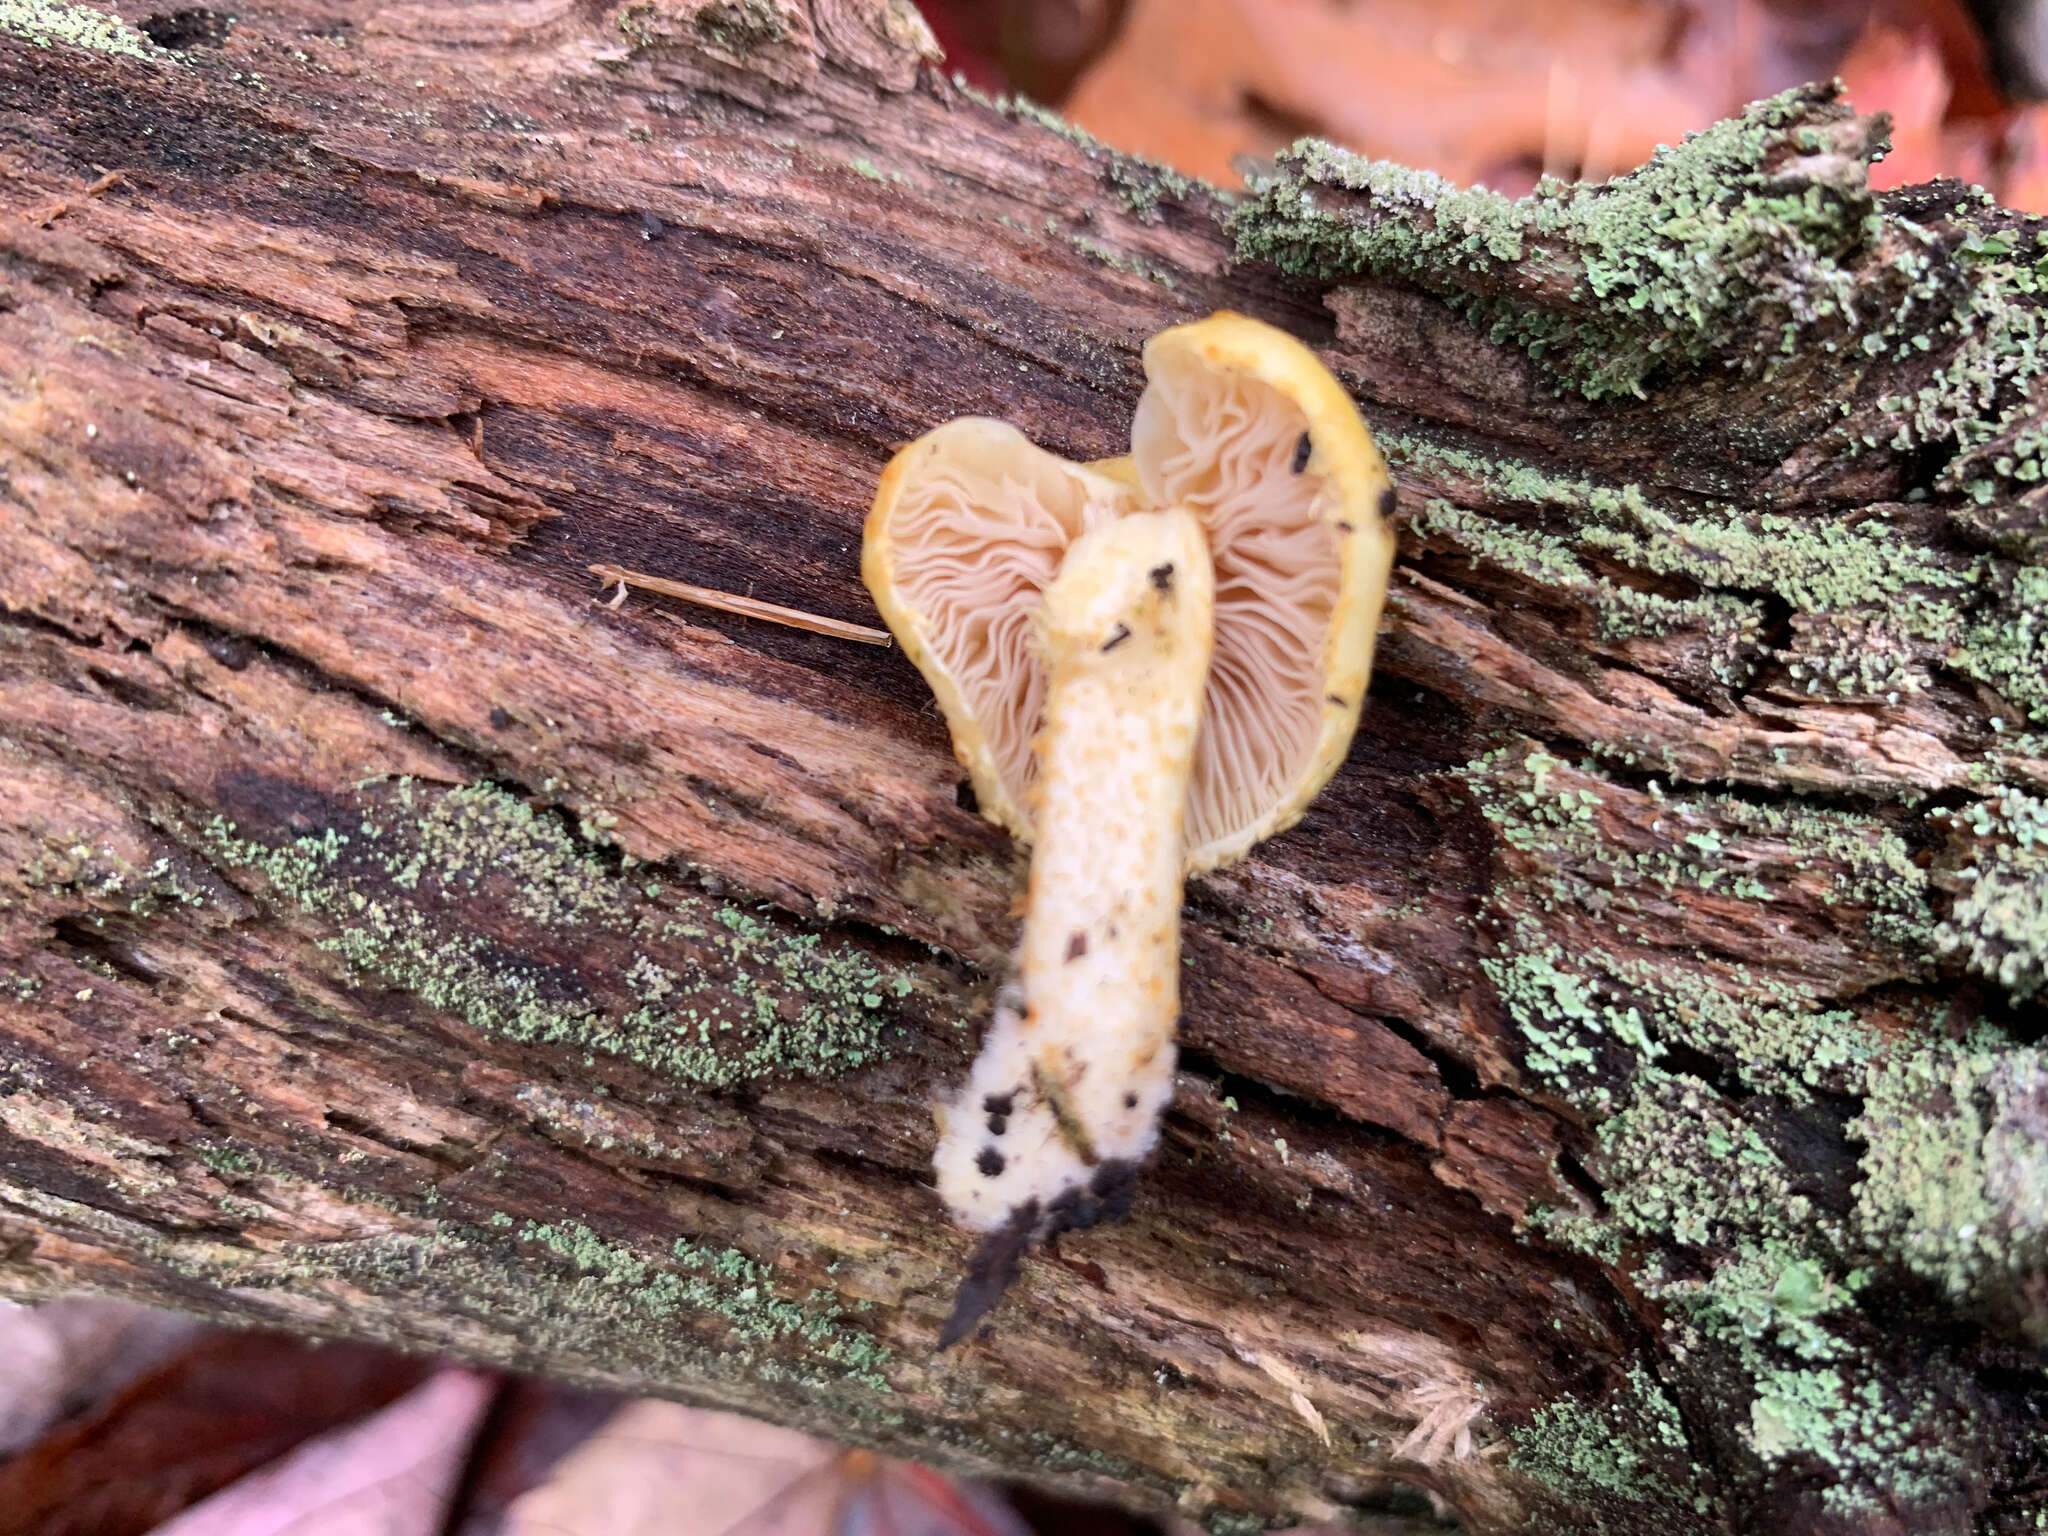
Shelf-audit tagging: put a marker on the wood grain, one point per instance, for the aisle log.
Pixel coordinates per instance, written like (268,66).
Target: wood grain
(396,943)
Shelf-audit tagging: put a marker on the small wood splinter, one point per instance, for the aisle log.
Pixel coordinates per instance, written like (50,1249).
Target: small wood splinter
(52,212)
(732,602)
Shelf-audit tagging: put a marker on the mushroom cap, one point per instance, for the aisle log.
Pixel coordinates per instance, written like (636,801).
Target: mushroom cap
(971,521)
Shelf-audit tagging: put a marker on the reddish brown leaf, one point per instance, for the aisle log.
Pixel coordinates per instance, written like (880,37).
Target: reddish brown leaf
(220,1408)
(395,1473)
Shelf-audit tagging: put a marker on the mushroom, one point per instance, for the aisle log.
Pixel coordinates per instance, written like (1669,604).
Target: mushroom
(1147,665)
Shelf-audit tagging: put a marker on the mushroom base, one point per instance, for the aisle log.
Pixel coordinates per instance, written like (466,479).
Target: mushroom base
(999,1259)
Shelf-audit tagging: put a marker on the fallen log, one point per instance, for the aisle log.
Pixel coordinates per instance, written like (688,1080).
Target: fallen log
(1615,1106)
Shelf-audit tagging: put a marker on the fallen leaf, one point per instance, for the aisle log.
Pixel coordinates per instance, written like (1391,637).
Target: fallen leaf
(1499,91)
(967,32)
(1045,44)
(1899,70)
(395,1473)
(533,1426)
(65,1355)
(660,1469)
(2025,186)
(226,1403)
(1493,91)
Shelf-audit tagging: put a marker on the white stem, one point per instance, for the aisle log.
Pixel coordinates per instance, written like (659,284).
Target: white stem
(1064,1101)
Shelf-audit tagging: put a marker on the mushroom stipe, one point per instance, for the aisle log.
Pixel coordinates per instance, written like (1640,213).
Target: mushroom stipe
(1147,665)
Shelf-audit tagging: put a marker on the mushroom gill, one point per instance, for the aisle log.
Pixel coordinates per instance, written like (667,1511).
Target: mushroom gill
(1229,448)
(978,531)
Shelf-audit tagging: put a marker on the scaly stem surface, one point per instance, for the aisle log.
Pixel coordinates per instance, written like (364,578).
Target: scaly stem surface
(1064,1102)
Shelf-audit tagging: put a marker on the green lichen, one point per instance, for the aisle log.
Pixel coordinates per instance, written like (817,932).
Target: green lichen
(1889,600)
(1765,1304)
(1870,866)
(1890,1451)
(700,1319)
(1815,565)
(867,170)
(1742,246)
(1122,261)
(1777,1035)
(1711,250)
(1729,624)
(1703,1080)
(89,1130)
(1981,310)
(49,22)
(1513,481)
(1621,1465)
(1875,611)
(1752,242)
(703,1318)
(1999,923)
(1682,1165)
(725,1283)
(592,1307)
(1955,1175)
(1557,1008)
(1567,999)
(737,998)
(1023,109)
(1703,1201)
(74,864)
(1141,185)
(2008,646)
(227,1159)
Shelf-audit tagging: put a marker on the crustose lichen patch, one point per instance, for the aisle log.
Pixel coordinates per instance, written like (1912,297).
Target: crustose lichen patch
(472,901)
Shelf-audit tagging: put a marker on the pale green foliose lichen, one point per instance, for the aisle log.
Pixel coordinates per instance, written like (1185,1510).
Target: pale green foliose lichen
(592,1306)
(1681,1165)
(1874,611)
(1621,1464)
(1955,1173)
(1706,1082)
(1888,1449)
(1705,1207)
(1750,243)
(1765,1303)
(2007,646)
(1779,1037)
(1999,921)
(1665,265)
(722,1282)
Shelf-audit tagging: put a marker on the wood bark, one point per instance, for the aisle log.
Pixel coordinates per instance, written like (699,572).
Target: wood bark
(1613,1106)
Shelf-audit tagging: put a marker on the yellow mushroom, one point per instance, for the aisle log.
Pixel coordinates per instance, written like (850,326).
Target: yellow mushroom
(1147,665)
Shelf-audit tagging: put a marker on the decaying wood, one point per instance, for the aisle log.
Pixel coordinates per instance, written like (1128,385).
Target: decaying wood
(1610,1110)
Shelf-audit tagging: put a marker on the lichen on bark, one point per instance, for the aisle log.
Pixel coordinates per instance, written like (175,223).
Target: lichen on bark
(1615,1105)
(705,993)
(1628,914)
